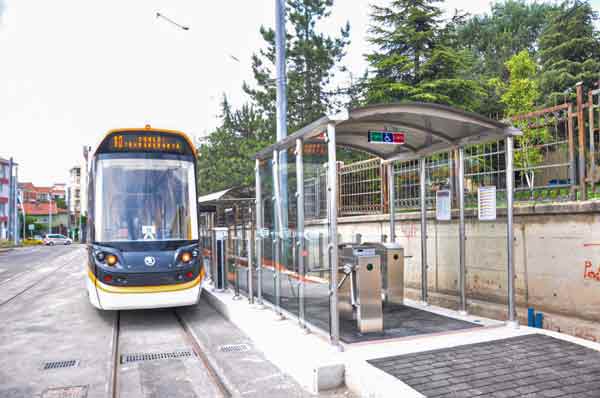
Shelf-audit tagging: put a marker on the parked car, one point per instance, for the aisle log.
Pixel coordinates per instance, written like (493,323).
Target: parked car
(56,239)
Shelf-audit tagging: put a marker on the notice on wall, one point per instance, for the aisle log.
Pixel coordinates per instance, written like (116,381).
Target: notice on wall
(443,205)
(486,203)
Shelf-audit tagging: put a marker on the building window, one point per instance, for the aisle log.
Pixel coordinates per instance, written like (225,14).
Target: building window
(2,209)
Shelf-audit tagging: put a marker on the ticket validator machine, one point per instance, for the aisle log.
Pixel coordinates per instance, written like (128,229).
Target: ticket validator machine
(219,258)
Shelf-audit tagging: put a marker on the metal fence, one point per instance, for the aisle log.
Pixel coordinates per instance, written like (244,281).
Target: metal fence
(545,167)
(361,188)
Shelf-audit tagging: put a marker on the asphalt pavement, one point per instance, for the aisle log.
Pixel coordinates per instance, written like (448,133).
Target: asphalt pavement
(16,262)
(54,343)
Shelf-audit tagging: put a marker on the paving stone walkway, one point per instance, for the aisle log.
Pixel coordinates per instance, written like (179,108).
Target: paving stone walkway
(526,366)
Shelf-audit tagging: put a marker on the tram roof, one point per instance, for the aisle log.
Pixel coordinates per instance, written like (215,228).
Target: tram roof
(428,128)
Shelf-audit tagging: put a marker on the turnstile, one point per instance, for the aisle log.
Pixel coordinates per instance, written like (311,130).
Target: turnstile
(359,290)
(370,275)
(392,271)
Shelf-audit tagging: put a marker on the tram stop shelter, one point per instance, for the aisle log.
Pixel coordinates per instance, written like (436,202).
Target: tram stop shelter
(281,199)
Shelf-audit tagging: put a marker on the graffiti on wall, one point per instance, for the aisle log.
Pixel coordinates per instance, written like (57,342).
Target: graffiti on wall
(589,273)
(409,230)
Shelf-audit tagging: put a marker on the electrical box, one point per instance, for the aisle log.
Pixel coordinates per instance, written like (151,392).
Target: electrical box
(220,236)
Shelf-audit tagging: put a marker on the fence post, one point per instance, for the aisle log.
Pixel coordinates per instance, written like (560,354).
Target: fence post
(581,143)
(592,141)
(572,166)
(383,187)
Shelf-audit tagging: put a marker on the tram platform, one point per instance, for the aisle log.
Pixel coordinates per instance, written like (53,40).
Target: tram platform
(490,358)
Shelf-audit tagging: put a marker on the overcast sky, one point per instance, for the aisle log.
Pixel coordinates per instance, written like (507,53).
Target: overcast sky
(72,69)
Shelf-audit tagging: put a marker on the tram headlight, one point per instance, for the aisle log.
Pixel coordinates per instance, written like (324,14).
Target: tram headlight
(111,260)
(100,256)
(186,257)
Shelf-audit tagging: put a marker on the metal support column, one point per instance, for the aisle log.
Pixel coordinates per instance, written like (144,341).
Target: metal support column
(250,239)
(423,201)
(279,232)
(259,236)
(512,310)
(300,242)
(332,185)
(462,278)
(392,200)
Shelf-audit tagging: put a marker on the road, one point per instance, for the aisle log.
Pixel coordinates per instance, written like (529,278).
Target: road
(17,262)
(53,343)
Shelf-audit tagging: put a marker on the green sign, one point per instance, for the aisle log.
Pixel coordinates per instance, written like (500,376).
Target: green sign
(386,137)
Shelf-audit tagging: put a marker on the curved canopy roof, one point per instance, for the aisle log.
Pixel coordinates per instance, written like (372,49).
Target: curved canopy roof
(428,128)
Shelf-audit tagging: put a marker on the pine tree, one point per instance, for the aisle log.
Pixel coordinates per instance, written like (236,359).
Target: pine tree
(418,58)
(311,60)
(569,50)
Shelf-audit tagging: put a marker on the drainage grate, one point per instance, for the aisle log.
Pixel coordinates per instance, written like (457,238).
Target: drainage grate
(154,356)
(60,364)
(66,392)
(234,348)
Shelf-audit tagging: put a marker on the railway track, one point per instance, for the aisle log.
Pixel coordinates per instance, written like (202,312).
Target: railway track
(155,354)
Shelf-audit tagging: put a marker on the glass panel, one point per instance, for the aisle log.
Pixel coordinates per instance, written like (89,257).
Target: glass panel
(268,233)
(149,200)
(317,236)
(289,266)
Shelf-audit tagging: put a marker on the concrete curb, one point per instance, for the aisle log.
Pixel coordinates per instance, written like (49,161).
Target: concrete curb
(310,360)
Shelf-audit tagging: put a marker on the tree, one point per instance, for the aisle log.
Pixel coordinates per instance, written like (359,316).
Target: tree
(493,38)
(520,96)
(311,60)
(418,58)
(569,50)
(226,159)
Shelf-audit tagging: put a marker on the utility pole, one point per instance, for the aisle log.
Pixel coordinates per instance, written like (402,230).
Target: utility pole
(50,212)
(281,108)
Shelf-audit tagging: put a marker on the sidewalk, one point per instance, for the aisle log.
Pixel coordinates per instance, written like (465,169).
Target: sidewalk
(373,368)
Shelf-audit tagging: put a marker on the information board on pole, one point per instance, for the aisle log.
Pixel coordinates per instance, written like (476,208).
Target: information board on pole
(486,203)
(31,227)
(443,205)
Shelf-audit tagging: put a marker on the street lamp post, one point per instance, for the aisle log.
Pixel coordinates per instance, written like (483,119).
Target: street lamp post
(50,211)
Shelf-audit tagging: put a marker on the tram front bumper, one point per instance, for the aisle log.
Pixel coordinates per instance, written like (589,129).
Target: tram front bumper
(148,297)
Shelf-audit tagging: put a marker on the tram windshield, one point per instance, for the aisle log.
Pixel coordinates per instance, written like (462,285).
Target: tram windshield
(145,200)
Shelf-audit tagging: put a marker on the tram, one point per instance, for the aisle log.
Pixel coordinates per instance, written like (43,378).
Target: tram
(142,221)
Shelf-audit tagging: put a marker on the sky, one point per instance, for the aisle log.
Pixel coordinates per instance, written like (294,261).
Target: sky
(70,70)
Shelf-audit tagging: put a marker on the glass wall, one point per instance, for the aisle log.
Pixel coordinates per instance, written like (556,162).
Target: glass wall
(315,279)
(317,239)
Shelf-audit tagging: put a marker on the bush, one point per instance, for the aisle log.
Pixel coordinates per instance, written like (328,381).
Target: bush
(31,242)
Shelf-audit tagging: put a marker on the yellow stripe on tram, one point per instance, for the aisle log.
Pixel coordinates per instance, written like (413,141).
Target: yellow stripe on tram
(146,289)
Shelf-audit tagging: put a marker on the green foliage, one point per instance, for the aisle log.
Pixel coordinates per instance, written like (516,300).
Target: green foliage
(60,203)
(312,58)
(418,57)
(226,159)
(519,97)
(569,50)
